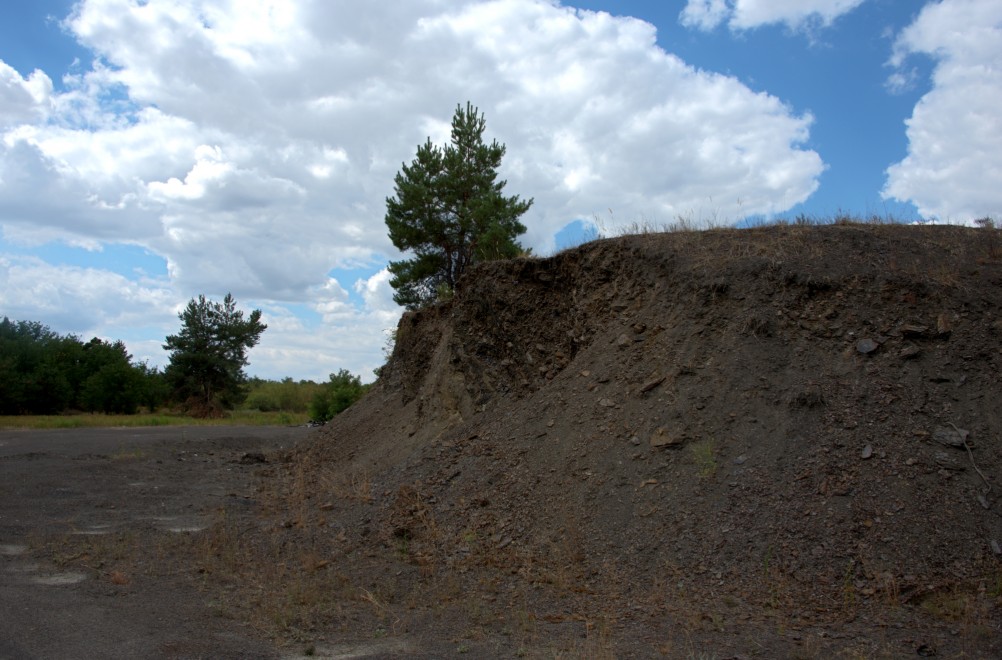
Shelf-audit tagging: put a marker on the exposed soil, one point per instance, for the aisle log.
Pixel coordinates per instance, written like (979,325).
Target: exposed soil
(780,442)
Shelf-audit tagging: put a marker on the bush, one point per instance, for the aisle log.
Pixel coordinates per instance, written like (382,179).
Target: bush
(280,396)
(336,395)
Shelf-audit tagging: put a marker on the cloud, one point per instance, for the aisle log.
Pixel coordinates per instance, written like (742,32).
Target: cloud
(252,145)
(85,301)
(954,160)
(748,14)
(23,99)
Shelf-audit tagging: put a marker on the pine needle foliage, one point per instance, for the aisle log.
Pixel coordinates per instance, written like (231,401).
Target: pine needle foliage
(449,210)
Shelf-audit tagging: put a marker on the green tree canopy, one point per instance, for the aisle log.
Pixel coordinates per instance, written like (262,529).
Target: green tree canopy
(336,396)
(208,355)
(449,210)
(42,372)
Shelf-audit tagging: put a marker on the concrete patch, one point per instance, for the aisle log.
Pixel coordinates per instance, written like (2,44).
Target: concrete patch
(93,530)
(379,649)
(179,524)
(59,579)
(12,549)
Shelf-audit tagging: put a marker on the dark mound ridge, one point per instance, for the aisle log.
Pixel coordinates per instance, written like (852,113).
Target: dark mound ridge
(801,422)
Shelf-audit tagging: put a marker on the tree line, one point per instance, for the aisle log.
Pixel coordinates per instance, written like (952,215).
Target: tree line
(45,373)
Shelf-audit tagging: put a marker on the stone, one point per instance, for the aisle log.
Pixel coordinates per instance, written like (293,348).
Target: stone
(909,351)
(651,384)
(913,330)
(946,462)
(623,341)
(866,346)
(607,403)
(943,326)
(950,436)
(660,438)
(867,452)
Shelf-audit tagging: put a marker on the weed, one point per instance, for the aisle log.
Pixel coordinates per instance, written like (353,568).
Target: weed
(128,454)
(704,454)
(355,486)
(849,598)
(890,590)
(953,605)
(992,232)
(383,610)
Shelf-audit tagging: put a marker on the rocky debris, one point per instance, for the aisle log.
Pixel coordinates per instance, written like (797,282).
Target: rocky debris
(253,458)
(668,422)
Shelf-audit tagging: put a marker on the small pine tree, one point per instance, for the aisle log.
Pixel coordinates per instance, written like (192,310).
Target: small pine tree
(450,212)
(208,355)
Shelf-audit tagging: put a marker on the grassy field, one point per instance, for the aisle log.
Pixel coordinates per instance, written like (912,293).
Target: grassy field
(98,420)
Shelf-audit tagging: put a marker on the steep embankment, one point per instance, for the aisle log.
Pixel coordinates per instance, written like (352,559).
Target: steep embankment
(803,422)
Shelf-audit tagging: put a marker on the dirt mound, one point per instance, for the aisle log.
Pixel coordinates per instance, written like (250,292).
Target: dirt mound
(786,439)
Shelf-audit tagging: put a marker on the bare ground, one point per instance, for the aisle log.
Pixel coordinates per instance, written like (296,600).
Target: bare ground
(96,528)
(783,442)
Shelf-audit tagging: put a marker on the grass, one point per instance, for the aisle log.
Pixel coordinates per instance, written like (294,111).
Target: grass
(599,228)
(101,420)
(704,453)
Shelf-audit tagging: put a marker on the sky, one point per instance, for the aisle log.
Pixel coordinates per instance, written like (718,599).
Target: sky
(155,150)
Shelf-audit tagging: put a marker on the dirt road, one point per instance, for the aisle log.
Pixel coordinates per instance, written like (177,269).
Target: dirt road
(87,518)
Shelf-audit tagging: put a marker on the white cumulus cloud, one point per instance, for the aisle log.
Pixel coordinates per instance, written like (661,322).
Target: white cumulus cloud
(251,144)
(954,162)
(748,14)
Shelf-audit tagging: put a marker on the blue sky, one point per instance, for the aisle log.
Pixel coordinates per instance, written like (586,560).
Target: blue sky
(154,151)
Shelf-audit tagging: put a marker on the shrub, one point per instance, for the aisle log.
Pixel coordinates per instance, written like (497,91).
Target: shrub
(336,395)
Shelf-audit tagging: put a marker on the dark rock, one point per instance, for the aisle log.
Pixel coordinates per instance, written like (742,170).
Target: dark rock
(913,330)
